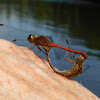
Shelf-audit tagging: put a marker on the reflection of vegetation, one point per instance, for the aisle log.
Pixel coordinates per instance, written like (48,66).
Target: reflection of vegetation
(90,22)
(93,54)
(94,1)
(83,22)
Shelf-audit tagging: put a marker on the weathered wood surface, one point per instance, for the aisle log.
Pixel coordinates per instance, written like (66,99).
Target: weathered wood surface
(24,76)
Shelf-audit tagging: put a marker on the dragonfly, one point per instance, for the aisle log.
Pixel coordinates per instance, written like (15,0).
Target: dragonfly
(77,67)
(46,44)
(41,40)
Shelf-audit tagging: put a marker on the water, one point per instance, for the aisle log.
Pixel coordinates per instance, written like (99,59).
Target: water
(78,23)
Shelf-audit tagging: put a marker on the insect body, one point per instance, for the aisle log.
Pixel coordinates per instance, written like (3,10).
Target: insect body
(47,45)
(77,67)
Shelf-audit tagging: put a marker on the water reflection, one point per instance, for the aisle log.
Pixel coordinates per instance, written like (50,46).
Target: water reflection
(80,24)
(82,21)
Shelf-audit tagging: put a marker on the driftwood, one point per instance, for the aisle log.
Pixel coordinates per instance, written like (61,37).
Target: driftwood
(25,76)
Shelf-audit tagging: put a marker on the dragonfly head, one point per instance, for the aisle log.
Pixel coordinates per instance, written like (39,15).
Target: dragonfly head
(84,55)
(80,58)
(31,38)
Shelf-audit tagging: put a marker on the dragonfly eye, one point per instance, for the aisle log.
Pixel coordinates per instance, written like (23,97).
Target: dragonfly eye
(31,38)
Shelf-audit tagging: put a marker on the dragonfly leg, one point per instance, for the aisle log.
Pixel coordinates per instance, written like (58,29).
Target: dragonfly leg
(69,54)
(42,50)
(38,53)
(48,57)
(72,58)
(39,49)
(69,60)
(33,47)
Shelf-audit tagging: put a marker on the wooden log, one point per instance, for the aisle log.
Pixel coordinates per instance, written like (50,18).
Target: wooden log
(25,76)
